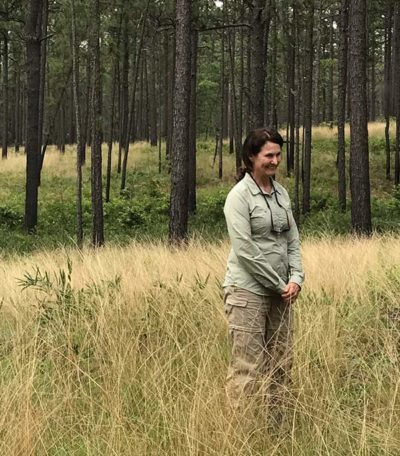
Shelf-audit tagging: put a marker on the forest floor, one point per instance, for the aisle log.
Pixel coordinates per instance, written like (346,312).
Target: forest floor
(124,350)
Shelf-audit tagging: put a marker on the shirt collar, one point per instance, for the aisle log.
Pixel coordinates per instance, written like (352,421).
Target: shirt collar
(253,186)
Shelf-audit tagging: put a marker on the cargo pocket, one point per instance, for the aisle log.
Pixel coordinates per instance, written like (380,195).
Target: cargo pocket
(245,314)
(231,300)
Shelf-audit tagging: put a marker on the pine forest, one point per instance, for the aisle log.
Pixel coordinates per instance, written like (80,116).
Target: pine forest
(121,128)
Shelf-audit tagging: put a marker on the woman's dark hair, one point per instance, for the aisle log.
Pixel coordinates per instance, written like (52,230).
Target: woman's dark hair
(252,145)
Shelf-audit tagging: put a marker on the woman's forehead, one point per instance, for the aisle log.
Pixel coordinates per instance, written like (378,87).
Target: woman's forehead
(271,148)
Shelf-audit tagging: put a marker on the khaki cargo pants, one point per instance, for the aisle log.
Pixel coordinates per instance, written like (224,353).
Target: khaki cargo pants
(261,330)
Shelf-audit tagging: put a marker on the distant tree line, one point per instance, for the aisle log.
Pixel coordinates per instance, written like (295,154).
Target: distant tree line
(89,72)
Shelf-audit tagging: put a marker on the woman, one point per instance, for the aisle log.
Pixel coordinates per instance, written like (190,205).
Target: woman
(264,273)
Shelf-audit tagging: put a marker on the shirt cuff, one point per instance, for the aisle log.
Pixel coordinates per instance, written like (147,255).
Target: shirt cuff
(297,279)
(281,286)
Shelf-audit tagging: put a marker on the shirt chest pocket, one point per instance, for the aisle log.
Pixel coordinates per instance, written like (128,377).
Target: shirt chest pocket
(260,220)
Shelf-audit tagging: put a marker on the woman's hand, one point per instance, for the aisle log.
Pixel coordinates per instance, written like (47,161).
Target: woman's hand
(291,292)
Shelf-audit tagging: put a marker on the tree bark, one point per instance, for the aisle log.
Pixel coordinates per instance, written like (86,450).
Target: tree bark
(4,152)
(274,113)
(317,67)
(43,62)
(291,92)
(179,158)
(241,81)
(96,119)
(308,108)
(78,117)
(87,131)
(33,49)
(124,90)
(396,43)
(113,93)
(341,102)
(296,211)
(359,156)
(192,123)
(387,80)
(236,125)
(331,59)
(372,115)
(257,63)
(18,120)
(152,95)
(220,129)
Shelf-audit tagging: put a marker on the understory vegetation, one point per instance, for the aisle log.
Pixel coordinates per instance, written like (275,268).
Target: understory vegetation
(141,211)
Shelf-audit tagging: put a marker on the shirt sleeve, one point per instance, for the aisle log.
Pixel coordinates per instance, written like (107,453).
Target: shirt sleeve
(293,250)
(237,217)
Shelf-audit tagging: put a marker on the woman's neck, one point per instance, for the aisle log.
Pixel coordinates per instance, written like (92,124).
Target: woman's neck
(263,181)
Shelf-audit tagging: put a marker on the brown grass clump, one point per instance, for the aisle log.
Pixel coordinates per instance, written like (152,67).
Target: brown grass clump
(124,351)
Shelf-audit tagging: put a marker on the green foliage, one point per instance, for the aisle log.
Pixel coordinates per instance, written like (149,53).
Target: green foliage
(10,217)
(58,301)
(142,209)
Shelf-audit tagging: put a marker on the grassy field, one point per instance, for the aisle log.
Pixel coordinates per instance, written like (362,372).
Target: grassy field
(124,351)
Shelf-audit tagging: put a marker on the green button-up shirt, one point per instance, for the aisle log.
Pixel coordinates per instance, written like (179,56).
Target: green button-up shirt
(262,260)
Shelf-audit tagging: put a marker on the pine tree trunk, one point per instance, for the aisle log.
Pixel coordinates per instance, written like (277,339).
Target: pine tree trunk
(78,117)
(167,99)
(341,102)
(4,152)
(299,94)
(140,110)
(373,80)
(171,85)
(273,111)
(18,135)
(87,138)
(308,107)
(241,81)
(113,93)
(43,64)
(179,158)
(291,92)
(220,128)
(61,131)
(152,96)
(111,132)
(387,80)
(125,91)
(257,59)
(359,157)
(317,78)
(396,39)
(96,118)
(267,29)
(330,89)
(235,115)
(247,111)
(192,124)
(33,48)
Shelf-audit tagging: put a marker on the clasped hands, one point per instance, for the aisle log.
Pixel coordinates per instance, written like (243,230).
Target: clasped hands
(290,293)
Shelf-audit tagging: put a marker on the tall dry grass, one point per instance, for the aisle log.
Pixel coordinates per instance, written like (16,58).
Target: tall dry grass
(142,154)
(126,354)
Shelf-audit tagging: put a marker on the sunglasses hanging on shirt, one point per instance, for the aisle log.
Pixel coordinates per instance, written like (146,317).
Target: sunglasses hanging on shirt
(284,226)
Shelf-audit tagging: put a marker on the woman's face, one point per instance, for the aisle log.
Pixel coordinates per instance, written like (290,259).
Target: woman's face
(267,160)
